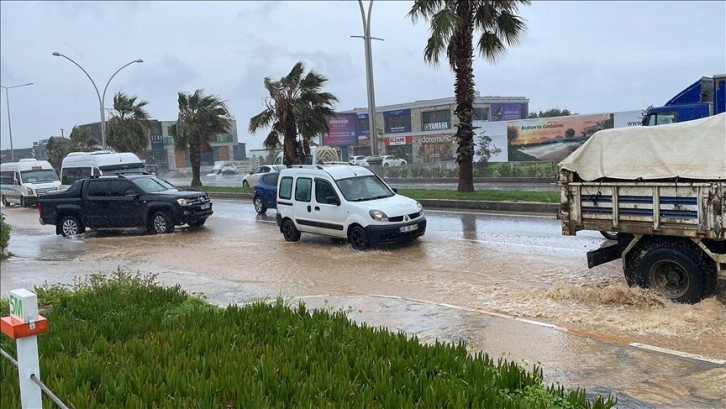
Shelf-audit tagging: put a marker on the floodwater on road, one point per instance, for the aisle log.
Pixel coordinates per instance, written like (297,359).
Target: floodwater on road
(480,265)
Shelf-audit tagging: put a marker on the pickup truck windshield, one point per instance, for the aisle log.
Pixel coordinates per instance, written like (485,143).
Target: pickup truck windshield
(153,184)
(38,176)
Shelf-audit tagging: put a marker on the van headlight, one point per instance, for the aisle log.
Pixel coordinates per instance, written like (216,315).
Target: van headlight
(30,191)
(420,208)
(184,202)
(378,216)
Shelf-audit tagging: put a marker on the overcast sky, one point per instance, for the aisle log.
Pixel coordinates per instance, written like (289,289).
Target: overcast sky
(589,57)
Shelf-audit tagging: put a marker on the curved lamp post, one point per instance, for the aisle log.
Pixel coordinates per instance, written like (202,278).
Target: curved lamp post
(10,128)
(101,97)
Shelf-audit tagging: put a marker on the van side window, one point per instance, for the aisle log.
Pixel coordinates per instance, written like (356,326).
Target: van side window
(6,177)
(70,175)
(323,190)
(303,188)
(286,188)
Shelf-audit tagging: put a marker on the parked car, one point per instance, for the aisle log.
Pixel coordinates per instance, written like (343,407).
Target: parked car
(123,202)
(347,202)
(228,169)
(250,179)
(357,159)
(265,193)
(390,160)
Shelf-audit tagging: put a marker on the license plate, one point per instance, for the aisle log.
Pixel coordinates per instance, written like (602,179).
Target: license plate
(406,229)
(206,206)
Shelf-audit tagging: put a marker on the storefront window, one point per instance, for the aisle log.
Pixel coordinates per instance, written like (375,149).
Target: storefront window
(436,120)
(397,121)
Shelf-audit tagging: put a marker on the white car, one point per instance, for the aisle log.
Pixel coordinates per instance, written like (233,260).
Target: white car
(390,160)
(347,202)
(357,160)
(250,179)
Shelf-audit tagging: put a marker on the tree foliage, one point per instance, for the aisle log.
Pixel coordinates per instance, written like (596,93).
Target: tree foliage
(82,141)
(129,127)
(550,113)
(295,112)
(201,118)
(57,149)
(453,24)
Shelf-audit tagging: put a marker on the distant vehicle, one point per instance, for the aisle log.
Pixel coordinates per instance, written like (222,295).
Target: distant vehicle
(23,182)
(705,97)
(265,192)
(347,202)
(79,165)
(250,179)
(123,202)
(223,169)
(386,160)
(356,159)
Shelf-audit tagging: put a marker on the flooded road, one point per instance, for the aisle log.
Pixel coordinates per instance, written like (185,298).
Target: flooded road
(508,285)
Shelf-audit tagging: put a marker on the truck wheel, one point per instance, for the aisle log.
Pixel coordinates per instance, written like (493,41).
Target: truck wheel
(676,270)
(358,238)
(259,206)
(70,226)
(609,235)
(289,231)
(162,223)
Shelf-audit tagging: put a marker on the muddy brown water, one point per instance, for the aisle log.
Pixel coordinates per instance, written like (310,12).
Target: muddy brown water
(250,257)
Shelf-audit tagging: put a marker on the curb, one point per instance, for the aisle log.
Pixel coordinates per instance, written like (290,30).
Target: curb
(522,207)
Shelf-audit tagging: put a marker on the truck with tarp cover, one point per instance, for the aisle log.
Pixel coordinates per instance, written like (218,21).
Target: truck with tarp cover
(663,190)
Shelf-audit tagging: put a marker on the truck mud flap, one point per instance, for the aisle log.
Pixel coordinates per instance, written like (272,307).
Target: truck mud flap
(603,255)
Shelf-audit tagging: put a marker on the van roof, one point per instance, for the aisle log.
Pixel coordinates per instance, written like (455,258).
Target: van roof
(336,171)
(26,164)
(100,158)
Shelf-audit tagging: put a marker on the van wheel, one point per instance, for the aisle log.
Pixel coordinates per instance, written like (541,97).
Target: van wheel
(678,271)
(162,223)
(358,238)
(70,226)
(22,201)
(259,206)
(5,201)
(245,184)
(289,231)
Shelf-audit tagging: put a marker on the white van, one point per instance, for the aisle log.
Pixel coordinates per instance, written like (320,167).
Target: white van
(345,201)
(23,181)
(80,165)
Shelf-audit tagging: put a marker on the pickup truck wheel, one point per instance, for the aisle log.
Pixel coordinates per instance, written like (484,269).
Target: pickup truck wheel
(162,223)
(289,231)
(259,206)
(70,226)
(358,238)
(678,271)
(609,235)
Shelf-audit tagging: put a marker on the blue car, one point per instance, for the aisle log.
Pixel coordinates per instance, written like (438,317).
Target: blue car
(265,192)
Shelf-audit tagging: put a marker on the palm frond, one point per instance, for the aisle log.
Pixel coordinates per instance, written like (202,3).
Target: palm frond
(423,9)
(443,26)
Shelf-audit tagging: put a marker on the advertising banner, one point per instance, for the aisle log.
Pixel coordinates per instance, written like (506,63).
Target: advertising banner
(341,130)
(398,140)
(155,135)
(363,127)
(627,118)
(397,121)
(552,139)
(507,111)
(497,132)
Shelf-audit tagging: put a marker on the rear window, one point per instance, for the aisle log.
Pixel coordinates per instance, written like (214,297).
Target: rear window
(270,178)
(285,191)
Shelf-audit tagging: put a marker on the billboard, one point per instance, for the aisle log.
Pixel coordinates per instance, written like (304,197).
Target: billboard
(341,130)
(363,128)
(508,111)
(397,121)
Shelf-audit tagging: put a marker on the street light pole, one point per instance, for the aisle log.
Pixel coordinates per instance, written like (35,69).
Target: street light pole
(373,132)
(101,98)
(10,128)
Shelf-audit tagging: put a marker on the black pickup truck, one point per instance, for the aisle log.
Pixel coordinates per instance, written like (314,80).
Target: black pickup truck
(123,202)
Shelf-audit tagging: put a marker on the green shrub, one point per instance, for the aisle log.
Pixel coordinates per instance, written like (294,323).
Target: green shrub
(4,235)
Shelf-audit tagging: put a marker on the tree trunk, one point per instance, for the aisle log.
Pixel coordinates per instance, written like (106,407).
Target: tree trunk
(291,146)
(464,92)
(195,157)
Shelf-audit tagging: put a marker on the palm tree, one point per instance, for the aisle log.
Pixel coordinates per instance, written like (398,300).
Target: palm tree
(201,118)
(128,129)
(82,141)
(57,149)
(295,110)
(452,31)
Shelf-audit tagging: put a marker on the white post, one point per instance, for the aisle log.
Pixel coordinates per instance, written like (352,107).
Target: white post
(24,308)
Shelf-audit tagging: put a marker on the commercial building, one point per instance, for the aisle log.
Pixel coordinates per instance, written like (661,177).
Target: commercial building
(420,131)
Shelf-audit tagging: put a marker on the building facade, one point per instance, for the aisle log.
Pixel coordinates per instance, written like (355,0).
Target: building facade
(420,131)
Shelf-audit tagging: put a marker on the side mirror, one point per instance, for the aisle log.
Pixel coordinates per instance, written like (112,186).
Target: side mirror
(332,200)
(131,193)
(394,190)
